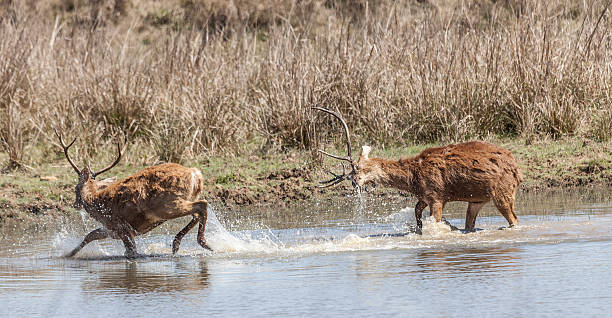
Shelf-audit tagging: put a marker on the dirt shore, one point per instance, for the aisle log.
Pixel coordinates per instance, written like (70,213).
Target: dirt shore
(48,190)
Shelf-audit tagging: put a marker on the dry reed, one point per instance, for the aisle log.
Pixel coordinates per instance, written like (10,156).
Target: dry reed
(207,77)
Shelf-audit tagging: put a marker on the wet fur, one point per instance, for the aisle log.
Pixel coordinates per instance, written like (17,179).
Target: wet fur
(475,172)
(137,204)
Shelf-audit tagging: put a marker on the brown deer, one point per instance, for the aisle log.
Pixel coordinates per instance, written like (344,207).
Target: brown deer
(475,172)
(140,202)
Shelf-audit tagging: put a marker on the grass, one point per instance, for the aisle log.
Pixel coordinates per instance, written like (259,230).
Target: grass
(291,176)
(566,163)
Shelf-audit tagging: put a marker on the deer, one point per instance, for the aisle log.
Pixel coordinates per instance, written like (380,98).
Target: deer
(475,172)
(140,202)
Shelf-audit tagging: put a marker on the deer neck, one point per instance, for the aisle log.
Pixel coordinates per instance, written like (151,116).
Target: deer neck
(89,193)
(396,173)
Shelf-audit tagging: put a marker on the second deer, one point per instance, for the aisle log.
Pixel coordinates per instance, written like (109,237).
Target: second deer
(140,202)
(475,172)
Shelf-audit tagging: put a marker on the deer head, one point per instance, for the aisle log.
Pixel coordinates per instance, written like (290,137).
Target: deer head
(363,171)
(368,170)
(86,175)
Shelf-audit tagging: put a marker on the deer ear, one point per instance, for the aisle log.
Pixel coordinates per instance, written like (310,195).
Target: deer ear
(103,184)
(365,152)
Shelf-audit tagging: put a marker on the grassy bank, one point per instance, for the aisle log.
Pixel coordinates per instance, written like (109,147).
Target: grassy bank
(48,190)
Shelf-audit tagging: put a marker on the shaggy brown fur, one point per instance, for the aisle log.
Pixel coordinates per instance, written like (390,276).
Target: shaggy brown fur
(475,172)
(141,202)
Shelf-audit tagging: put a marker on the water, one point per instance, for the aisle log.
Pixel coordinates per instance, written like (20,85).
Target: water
(345,257)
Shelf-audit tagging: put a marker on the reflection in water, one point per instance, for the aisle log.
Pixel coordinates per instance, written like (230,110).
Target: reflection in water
(133,277)
(452,263)
(429,264)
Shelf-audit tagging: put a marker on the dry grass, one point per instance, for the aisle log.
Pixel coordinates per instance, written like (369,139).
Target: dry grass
(185,79)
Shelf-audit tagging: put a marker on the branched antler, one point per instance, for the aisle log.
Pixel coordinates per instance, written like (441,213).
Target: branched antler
(335,180)
(339,177)
(76,169)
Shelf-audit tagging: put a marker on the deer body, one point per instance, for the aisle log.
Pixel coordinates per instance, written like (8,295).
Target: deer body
(474,172)
(142,200)
(137,204)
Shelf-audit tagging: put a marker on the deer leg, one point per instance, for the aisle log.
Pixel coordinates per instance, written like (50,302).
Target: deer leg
(506,208)
(98,234)
(177,239)
(199,209)
(472,213)
(130,244)
(435,209)
(418,213)
(202,207)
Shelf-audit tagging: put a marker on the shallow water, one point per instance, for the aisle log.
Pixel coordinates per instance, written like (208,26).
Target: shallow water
(349,257)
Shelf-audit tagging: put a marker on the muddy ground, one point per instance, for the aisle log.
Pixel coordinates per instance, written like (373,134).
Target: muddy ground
(28,195)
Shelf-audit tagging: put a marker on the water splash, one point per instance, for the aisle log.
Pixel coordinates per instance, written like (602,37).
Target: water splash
(246,241)
(390,232)
(83,215)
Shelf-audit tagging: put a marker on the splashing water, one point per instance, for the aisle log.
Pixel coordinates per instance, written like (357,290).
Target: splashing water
(392,232)
(373,236)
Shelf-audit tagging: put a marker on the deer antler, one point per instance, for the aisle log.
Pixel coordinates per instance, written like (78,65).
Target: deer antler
(66,151)
(76,169)
(335,180)
(339,177)
(93,175)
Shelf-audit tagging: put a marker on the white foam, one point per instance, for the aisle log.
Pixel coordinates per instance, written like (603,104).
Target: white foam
(402,216)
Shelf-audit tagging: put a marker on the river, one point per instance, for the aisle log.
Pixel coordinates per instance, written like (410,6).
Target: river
(354,256)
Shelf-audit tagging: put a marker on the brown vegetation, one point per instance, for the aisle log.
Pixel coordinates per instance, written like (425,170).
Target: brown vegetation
(191,78)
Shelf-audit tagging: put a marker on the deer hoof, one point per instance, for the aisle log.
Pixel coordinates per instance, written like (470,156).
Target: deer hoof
(204,245)
(131,254)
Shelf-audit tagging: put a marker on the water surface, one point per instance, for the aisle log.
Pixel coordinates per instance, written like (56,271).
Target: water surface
(348,257)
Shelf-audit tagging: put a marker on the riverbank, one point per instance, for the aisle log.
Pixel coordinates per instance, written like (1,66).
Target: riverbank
(47,190)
